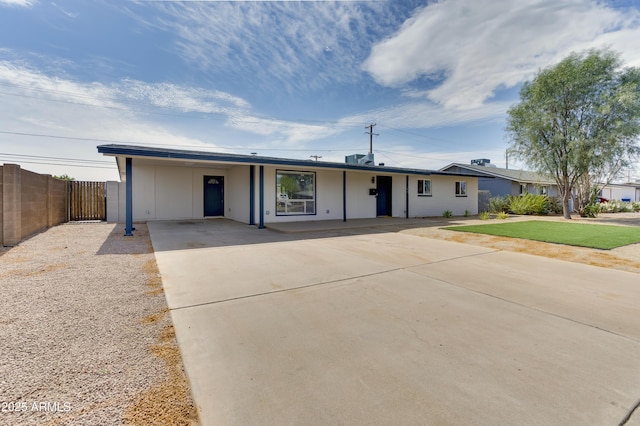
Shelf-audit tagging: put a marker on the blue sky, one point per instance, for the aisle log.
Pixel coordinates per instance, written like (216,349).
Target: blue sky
(288,79)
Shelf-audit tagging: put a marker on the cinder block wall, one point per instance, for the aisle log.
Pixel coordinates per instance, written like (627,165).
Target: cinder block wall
(30,202)
(58,202)
(34,202)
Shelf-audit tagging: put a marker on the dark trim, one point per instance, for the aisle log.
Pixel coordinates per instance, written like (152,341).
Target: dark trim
(128,229)
(261,190)
(138,151)
(406,197)
(252,195)
(344,195)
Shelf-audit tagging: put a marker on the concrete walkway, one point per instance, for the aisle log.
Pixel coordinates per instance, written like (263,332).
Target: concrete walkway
(359,326)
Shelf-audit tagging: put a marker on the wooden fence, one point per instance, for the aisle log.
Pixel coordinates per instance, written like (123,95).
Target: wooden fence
(87,201)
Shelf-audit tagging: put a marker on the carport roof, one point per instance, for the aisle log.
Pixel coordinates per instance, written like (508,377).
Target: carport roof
(217,157)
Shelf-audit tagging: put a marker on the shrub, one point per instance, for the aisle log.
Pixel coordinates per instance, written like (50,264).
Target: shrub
(635,206)
(616,207)
(484,215)
(503,215)
(447,213)
(498,204)
(555,205)
(590,210)
(529,204)
(466,213)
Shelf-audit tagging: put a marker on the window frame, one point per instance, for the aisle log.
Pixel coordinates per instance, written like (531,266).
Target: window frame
(282,204)
(461,188)
(423,193)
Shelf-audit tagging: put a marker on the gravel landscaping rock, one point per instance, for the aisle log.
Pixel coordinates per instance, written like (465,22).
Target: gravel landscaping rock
(85,333)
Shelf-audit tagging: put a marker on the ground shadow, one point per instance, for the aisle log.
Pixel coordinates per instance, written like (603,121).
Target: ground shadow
(117,243)
(195,234)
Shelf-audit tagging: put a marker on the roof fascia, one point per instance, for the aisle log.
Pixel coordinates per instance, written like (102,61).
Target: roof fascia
(142,152)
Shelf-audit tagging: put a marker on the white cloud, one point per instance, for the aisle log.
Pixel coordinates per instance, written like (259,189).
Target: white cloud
(289,45)
(18,3)
(471,49)
(420,115)
(133,111)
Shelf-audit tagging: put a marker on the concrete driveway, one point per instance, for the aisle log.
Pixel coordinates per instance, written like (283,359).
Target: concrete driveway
(361,326)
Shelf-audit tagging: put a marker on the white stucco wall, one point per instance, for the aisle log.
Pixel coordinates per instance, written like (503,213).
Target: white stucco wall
(359,203)
(171,192)
(443,190)
(236,188)
(167,192)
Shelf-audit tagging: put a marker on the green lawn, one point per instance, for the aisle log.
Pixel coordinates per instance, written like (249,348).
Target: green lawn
(575,234)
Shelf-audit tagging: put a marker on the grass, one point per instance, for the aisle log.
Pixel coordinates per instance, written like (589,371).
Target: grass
(605,237)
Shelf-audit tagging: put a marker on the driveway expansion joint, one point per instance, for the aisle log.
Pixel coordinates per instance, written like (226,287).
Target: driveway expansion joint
(626,418)
(338,280)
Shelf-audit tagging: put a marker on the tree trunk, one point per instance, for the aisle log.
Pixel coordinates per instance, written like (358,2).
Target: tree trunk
(565,204)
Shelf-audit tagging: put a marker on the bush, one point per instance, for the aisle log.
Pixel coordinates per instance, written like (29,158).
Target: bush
(484,215)
(467,213)
(591,210)
(447,213)
(498,204)
(635,206)
(555,205)
(529,204)
(616,207)
(503,215)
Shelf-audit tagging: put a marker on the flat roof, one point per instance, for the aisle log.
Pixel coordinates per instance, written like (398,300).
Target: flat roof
(217,157)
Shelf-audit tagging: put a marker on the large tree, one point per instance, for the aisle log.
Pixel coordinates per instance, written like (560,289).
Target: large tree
(579,122)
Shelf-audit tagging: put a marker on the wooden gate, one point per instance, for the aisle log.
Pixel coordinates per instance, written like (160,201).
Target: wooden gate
(87,201)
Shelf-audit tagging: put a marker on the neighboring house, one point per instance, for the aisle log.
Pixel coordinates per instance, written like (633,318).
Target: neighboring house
(621,191)
(161,184)
(502,182)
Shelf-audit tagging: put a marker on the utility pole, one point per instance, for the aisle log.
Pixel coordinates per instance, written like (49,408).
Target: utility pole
(371,135)
(315,157)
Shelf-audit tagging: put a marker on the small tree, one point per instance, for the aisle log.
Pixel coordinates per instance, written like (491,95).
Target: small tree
(578,121)
(64,177)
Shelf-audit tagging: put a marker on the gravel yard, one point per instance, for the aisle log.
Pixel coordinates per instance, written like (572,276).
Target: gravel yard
(85,333)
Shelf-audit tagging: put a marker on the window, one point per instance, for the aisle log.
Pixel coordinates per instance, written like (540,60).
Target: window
(523,189)
(461,188)
(544,190)
(424,187)
(295,193)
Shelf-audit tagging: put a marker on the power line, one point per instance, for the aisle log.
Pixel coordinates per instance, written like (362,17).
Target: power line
(62,164)
(44,157)
(40,135)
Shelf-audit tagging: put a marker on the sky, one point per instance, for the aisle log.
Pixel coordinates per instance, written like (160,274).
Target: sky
(291,79)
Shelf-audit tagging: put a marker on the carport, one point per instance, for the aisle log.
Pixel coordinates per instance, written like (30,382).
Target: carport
(363,326)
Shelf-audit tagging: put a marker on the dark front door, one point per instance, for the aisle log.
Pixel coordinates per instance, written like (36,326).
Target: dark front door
(214,196)
(383,195)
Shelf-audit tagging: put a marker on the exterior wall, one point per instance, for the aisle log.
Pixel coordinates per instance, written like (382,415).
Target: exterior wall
(359,203)
(174,193)
(443,196)
(167,192)
(618,192)
(113,201)
(399,196)
(498,187)
(237,202)
(31,202)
